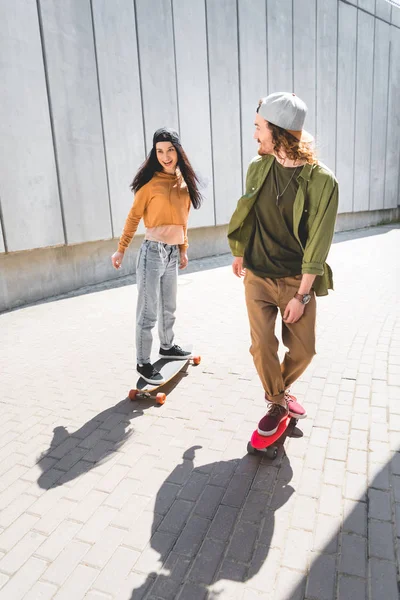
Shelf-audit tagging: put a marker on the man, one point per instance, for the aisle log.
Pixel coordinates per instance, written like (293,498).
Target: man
(280,235)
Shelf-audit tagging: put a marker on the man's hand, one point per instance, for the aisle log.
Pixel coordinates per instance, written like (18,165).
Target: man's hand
(237,266)
(293,311)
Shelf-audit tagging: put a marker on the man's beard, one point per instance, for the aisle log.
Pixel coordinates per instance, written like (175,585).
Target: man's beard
(261,150)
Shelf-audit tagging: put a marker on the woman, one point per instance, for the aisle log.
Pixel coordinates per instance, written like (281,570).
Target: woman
(164,188)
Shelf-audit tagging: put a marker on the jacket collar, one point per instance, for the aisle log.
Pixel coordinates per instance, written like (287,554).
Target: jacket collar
(305,172)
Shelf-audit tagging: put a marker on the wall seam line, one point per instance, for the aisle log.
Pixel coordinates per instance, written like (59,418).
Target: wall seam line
(102,120)
(51,118)
(210,112)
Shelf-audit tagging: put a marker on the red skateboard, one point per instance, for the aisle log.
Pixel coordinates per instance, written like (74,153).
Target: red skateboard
(266,445)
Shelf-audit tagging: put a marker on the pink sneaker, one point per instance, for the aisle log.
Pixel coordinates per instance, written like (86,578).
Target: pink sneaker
(296,410)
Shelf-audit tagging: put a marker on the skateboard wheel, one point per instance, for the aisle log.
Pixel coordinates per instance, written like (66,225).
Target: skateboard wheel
(250,449)
(271,452)
(132,394)
(161,398)
(196,360)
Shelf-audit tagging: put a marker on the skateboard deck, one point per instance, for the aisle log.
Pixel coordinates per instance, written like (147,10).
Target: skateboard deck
(266,445)
(169,368)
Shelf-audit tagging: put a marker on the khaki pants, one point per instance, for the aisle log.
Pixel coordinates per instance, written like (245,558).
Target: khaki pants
(263,298)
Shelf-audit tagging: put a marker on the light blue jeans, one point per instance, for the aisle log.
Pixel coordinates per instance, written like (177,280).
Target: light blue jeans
(157,279)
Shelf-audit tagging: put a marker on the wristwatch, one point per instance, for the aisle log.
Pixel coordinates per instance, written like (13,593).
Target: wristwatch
(303,298)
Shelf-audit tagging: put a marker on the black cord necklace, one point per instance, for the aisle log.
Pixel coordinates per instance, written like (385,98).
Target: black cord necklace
(280,194)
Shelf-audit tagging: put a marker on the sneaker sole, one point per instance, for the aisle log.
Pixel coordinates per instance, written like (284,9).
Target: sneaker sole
(265,434)
(296,416)
(175,357)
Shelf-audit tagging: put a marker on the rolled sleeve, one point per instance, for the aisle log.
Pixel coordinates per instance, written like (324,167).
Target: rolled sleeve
(312,268)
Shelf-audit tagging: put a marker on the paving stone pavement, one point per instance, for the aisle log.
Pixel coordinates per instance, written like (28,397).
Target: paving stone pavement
(102,498)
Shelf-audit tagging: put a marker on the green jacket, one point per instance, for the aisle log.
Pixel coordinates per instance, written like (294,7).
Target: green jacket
(317,196)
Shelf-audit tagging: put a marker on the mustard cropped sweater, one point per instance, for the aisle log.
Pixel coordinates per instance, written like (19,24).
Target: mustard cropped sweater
(164,200)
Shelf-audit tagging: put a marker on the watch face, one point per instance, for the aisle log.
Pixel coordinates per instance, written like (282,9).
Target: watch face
(306,298)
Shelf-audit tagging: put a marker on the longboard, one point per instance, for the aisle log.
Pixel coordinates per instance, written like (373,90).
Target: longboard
(169,368)
(266,445)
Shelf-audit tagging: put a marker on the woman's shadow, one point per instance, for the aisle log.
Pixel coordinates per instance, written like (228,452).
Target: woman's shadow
(72,454)
(228,533)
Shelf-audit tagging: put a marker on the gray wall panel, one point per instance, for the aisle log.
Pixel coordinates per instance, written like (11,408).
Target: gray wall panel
(383,9)
(116,47)
(280,55)
(28,180)
(362,155)
(367,5)
(347,36)
(193,99)
(326,80)
(304,58)
(225,112)
(157,66)
(395,16)
(393,132)
(253,70)
(379,114)
(74,98)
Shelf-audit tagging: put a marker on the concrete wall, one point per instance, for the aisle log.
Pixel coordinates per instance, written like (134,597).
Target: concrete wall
(86,82)
(31,213)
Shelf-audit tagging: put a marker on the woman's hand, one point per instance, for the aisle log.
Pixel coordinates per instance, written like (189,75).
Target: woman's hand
(183,262)
(117,259)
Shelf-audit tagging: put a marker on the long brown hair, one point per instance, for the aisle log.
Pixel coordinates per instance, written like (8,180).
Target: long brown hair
(151,166)
(291,146)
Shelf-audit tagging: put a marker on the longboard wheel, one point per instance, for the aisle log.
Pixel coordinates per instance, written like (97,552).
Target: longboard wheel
(132,394)
(161,398)
(196,360)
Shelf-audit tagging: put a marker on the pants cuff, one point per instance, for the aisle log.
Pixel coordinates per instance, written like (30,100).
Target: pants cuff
(277,399)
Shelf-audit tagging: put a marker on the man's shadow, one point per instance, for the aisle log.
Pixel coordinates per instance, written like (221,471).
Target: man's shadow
(230,503)
(72,454)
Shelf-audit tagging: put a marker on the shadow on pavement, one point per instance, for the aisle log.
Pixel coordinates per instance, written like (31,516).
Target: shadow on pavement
(358,559)
(198,510)
(72,454)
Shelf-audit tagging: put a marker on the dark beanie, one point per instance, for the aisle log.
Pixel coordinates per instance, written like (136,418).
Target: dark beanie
(164,134)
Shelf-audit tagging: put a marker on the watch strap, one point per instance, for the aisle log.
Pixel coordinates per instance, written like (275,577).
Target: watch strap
(300,297)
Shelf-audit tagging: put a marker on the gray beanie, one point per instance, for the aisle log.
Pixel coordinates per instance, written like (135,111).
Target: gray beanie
(286,110)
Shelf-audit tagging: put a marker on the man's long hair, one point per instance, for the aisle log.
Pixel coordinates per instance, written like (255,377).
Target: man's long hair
(291,146)
(151,166)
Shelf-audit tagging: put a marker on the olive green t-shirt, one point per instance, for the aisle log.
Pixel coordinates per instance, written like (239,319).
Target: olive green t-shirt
(272,250)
